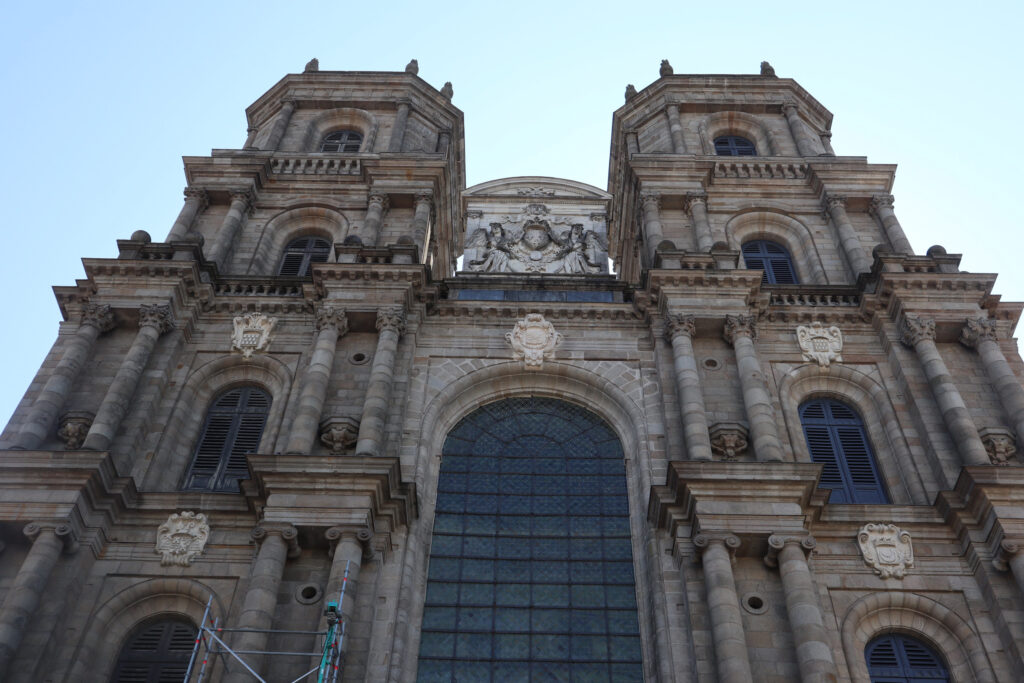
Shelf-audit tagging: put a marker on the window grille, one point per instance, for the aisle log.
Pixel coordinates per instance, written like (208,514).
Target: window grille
(342,141)
(773,259)
(302,252)
(233,427)
(156,653)
(835,437)
(896,658)
(734,146)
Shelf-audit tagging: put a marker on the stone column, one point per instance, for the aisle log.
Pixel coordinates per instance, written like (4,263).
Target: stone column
(724,606)
(697,207)
(277,542)
(835,206)
(632,143)
(331,324)
(1009,558)
(706,145)
(280,125)
(675,129)
(444,138)
(398,130)
(680,329)
(347,548)
(982,334)
(23,596)
(250,137)
(919,334)
(391,325)
(800,130)
(826,142)
(813,650)
(195,201)
(881,207)
(377,205)
(241,201)
(740,332)
(42,416)
(423,203)
(154,320)
(650,203)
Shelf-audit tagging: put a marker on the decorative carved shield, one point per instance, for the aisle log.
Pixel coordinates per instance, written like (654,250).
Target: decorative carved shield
(181,538)
(886,549)
(820,344)
(533,340)
(252,333)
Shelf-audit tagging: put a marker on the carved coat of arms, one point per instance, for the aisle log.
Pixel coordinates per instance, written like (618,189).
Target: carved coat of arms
(533,340)
(181,538)
(252,333)
(536,248)
(820,344)
(886,549)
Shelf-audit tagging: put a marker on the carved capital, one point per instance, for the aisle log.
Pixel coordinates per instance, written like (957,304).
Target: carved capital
(288,533)
(693,199)
(64,532)
(679,323)
(1005,552)
(99,316)
(243,196)
(790,107)
(198,193)
(330,317)
(739,326)
(706,539)
(379,200)
(834,202)
(156,315)
(915,329)
(977,330)
(336,534)
(424,197)
(776,542)
(650,200)
(392,318)
(880,202)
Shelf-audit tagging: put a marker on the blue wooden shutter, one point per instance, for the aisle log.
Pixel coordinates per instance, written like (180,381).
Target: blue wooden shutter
(300,253)
(896,658)
(773,259)
(234,425)
(836,439)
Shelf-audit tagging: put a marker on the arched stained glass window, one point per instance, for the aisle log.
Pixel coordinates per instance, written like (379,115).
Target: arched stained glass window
(734,146)
(896,658)
(302,252)
(531,566)
(835,437)
(342,141)
(773,259)
(233,427)
(156,652)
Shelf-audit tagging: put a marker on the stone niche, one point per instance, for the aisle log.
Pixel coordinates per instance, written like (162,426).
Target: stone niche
(536,225)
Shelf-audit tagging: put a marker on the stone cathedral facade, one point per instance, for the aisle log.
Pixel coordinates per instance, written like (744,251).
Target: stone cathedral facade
(772,442)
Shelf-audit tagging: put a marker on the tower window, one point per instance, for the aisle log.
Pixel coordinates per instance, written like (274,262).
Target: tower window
(342,141)
(836,439)
(233,427)
(156,652)
(734,146)
(300,253)
(896,658)
(773,259)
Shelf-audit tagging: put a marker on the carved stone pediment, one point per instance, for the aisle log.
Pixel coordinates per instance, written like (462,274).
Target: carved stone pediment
(251,333)
(887,549)
(533,341)
(820,344)
(181,538)
(536,246)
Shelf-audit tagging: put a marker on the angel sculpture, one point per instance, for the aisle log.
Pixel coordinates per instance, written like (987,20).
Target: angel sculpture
(581,251)
(496,246)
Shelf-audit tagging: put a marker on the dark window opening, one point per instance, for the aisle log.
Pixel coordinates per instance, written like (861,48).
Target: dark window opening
(233,427)
(342,141)
(773,259)
(835,437)
(734,146)
(896,658)
(302,252)
(156,653)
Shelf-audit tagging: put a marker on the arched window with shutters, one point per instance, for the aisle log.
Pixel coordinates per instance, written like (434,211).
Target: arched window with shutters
(156,652)
(896,658)
(836,439)
(342,141)
(233,427)
(773,259)
(734,146)
(302,252)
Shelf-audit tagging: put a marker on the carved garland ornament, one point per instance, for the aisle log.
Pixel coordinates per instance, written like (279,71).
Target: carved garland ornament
(181,538)
(886,549)
(252,333)
(533,340)
(820,344)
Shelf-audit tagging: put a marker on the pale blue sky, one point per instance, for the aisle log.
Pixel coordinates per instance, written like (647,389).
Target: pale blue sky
(103,99)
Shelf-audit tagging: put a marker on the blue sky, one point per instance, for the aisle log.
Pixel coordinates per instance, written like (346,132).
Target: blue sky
(103,99)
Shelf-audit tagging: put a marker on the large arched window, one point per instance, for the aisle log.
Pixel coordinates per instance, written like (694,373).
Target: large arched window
(734,146)
(531,566)
(342,141)
(302,252)
(773,259)
(836,439)
(896,658)
(156,652)
(233,427)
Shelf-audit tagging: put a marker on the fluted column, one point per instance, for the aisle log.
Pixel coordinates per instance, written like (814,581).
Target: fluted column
(919,334)
(42,416)
(724,606)
(697,207)
(982,334)
(22,601)
(195,201)
(391,325)
(741,331)
(154,320)
(881,207)
(423,203)
(398,130)
(377,205)
(801,131)
(650,203)
(241,201)
(835,205)
(1009,557)
(680,329)
(813,651)
(277,543)
(331,324)
(675,129)
(280,125)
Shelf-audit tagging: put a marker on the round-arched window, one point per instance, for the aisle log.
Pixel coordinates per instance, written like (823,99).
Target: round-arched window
(342,141)
(896,658)
(156,651)
(734,146)
(302,252)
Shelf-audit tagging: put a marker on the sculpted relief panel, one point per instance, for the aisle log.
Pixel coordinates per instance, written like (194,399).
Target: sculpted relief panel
(537,248)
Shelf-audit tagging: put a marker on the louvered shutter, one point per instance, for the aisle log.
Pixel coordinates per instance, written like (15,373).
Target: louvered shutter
(157,654)
(773,259)
(300,253)
(836,439)
(896,658)
(233,429)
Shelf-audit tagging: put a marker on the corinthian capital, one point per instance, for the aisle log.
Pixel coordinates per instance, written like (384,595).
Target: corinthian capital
(789,106)
(197,193)
(156,315)
(330,317)
(692,198)
(391,319)
(99,316)
(977,330)
(244,196)
(650,199)
(739,326)
(677,324)
(915,329)
(881,201)
(426,196)
(380,199)
(834,201)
